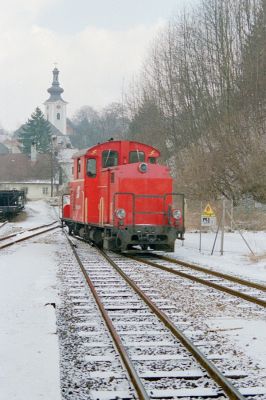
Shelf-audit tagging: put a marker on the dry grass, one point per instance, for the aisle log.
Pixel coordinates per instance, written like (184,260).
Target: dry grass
(256,258)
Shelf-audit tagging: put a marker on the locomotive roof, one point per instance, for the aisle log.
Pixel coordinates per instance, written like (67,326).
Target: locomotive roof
(99,145)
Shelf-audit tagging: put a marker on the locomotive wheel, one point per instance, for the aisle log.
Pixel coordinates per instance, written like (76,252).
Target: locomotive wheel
(97,238)
(118,242)
(82,232)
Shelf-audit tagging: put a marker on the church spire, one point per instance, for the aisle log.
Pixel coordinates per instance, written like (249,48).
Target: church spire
(55,106)
(55,90)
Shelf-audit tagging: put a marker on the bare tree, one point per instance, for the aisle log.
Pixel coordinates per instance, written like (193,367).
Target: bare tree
(205,77)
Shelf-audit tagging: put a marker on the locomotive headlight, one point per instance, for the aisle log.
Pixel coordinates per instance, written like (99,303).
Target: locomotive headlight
(177,214)
(120,213)
(143,167)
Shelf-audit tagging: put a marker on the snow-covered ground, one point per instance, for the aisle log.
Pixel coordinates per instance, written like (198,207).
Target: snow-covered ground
(29,355)
(237,258)
(248,335)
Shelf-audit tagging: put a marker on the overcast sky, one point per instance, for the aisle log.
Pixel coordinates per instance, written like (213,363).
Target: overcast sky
(98,46)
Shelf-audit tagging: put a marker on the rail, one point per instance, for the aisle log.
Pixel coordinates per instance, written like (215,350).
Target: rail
(211,369)
(143,395)
(217,376)
(20,239)
(216,286)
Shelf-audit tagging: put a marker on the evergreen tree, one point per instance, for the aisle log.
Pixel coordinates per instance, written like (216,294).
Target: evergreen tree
(37,130)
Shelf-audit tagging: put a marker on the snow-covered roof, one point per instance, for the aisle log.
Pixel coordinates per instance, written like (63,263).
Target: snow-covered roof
(19,168)
(33,182)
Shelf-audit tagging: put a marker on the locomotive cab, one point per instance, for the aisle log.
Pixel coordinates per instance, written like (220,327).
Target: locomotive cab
(121,198)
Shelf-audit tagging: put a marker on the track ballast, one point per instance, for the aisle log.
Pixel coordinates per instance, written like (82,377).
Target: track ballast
(163,366)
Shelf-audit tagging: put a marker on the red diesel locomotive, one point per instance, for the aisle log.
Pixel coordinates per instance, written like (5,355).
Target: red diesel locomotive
(122,199)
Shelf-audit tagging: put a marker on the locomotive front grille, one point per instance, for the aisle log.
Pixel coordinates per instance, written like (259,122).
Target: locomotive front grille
(148,238)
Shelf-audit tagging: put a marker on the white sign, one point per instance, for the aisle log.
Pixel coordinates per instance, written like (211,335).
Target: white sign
(208,221)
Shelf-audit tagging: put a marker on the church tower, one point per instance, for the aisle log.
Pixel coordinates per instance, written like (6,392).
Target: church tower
(55,106)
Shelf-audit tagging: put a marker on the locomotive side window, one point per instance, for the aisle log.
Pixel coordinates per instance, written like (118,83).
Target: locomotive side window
(109,158)
(136,156)
(91,167)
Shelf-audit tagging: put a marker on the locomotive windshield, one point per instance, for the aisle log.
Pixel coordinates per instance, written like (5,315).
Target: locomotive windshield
(136,156)
(109,158)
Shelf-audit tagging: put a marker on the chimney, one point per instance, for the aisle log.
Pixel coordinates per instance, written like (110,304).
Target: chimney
(33,152)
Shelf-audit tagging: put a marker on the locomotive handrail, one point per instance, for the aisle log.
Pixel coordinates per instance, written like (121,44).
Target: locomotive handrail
(183,205)
(151,212)
(147,196)
(64,195)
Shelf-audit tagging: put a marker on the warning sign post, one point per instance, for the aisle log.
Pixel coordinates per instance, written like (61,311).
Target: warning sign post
(208,211)
(208,221)
(208,217)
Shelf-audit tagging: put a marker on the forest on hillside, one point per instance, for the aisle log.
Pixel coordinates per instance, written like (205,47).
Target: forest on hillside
(201,99)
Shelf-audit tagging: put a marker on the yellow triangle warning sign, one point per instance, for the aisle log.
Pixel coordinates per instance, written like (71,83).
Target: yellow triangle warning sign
(208,211)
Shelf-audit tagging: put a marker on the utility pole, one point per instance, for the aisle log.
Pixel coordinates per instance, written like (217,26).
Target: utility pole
(53,138)
(222,228)
(200,226)
(232,215)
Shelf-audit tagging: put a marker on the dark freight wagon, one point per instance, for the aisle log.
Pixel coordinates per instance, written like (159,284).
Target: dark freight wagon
(11,202)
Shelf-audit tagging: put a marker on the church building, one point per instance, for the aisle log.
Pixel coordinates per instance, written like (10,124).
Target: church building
(56,114)
(55,106)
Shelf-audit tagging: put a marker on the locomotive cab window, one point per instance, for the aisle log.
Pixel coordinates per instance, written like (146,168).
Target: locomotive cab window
(152,160)
(91,167)
(136,156)
(78,167)
(109,158)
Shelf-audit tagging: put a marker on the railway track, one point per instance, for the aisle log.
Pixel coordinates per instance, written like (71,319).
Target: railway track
(233,285)
(3,224)
(13,238)
(158,359)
